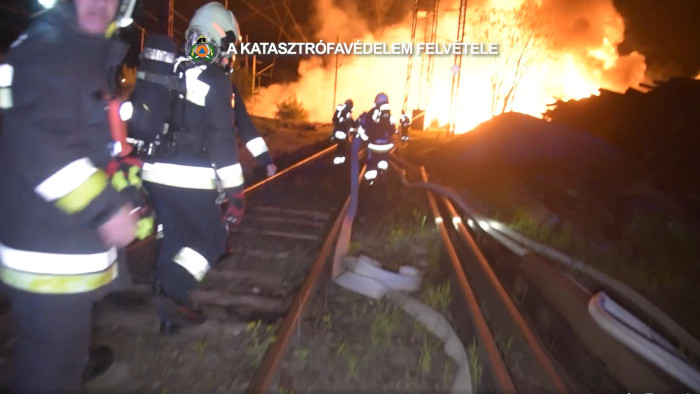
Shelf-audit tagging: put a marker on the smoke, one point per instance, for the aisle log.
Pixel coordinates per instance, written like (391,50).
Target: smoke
(590,31)
(359,78)
(572,55)
(662,70)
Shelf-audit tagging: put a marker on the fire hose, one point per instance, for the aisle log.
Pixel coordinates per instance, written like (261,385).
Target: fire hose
(366,276)
(652,347)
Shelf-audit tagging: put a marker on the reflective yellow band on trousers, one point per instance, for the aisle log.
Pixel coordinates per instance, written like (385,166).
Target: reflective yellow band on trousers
(196,264)
(82,196)
(57,284)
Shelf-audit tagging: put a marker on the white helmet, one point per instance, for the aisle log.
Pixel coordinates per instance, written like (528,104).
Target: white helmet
(217,22)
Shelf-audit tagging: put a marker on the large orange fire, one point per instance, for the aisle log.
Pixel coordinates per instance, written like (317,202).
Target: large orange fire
(549,49)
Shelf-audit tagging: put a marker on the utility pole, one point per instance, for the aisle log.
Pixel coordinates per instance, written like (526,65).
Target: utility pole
(335,84)
(252,90)
(171,12)
(457,70)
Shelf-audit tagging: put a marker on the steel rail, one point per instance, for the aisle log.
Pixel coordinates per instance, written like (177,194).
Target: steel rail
(536,347)
(263,376)
(257,185)
(503,380)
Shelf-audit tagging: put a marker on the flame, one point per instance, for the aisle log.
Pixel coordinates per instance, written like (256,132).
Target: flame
(565,50)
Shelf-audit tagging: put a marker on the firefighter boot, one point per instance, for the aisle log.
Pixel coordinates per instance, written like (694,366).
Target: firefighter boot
(175,315)
(98,362)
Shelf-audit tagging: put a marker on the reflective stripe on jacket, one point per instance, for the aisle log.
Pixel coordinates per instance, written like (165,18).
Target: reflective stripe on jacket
(56,273)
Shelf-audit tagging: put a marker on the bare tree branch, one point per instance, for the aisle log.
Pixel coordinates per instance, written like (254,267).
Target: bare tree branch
(517,74)
(296,25)
(515,29)
(277,14)
(257,11)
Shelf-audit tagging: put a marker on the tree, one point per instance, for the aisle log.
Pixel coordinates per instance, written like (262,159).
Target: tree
(291,110)
(523,37)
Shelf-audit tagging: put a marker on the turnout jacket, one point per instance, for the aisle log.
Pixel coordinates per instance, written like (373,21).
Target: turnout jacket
(342,121)
(54,145)
(405,121)
(248,132)
(203,150)
(377,127)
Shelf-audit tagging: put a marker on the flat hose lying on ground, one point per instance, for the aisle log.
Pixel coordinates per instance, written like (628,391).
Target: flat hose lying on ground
(365,276)
(636,335)
(663,320)
(343,243)
(513,238)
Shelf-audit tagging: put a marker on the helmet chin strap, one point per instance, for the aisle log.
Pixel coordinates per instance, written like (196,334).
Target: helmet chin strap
(228,66)
(123,17)
(228,40)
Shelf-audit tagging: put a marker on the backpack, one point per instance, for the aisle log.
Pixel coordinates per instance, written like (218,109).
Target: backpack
(155,93)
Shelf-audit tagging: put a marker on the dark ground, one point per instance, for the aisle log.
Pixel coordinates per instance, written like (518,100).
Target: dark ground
(630,212)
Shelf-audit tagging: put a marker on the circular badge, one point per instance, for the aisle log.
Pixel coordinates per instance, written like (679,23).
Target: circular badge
(201,48)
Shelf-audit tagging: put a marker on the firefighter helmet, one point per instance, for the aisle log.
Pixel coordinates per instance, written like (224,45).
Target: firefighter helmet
(217,22)
(122,18)
(348,104)
(381,98)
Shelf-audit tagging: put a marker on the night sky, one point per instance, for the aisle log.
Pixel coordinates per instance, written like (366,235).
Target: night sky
(666,32)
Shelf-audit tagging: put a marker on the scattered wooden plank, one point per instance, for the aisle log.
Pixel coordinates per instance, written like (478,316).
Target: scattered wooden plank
(270,219)
(315,214)
(283,234)
(245,301)
(261,253)
(265,280)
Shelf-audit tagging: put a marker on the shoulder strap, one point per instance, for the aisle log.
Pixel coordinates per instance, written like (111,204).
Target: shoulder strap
(171,82)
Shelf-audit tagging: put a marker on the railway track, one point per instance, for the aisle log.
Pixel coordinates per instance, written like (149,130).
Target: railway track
(261,300)
(544,313)
(535,370)
(287,221)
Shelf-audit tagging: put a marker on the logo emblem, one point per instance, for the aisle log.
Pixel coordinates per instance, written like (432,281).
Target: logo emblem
(201,49)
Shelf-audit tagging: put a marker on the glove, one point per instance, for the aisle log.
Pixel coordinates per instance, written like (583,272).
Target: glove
(271,169)
(234,207)
(126,179)
(145,227)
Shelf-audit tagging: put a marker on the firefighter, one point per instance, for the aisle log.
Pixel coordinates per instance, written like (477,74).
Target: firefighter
(249,134)
(377,127)
(194,173)
(343,125)
(405,124)
(62,222)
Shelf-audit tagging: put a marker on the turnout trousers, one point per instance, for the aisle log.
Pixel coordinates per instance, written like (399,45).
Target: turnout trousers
(341,151)
(53,340)
(404,133)
(377,164)
(193,237)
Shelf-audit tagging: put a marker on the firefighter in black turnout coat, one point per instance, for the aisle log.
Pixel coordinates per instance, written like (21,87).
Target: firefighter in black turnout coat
(343,125)
(249,134)
(195,172)
(61,220)
(405,125)
(377,127)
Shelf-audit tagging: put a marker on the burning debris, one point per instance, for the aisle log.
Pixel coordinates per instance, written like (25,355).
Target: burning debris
(657,128)
(549,50)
